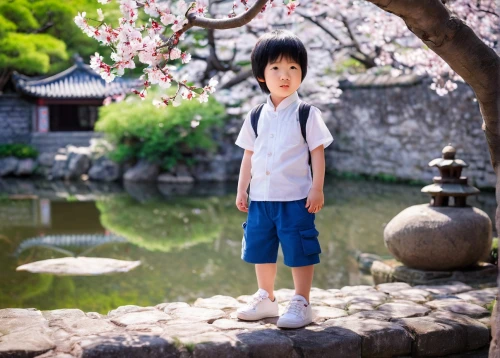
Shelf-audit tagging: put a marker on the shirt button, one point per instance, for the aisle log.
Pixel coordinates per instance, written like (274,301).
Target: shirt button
(269,154)
(271,135)
(267,173)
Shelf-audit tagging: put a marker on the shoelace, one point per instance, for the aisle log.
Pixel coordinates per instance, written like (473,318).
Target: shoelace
(256,299)
(297,308)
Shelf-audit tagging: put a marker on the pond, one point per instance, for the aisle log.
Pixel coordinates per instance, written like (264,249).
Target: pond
(188,239)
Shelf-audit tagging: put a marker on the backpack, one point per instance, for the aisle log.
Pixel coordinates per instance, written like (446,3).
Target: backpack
(304,109)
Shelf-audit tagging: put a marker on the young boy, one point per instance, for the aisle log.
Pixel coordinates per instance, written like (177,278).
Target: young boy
(284,196)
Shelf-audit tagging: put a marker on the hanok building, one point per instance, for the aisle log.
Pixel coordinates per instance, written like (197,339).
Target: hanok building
(52,112)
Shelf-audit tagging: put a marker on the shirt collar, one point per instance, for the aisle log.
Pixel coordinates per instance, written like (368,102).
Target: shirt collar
(285,103)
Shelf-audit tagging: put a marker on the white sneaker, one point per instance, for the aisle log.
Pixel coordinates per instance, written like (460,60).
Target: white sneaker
(260,306)
(297,314)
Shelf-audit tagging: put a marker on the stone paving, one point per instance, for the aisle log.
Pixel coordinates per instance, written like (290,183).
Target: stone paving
(387,320)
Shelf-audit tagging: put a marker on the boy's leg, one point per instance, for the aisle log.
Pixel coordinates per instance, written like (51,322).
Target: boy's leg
(266,274)
(302,279)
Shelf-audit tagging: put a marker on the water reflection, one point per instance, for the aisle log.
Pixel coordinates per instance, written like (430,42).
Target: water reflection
(188,239)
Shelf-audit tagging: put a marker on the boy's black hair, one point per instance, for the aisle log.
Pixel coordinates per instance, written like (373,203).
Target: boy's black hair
(271,47)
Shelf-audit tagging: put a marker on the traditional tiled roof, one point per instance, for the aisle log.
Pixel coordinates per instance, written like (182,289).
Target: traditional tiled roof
(366,80)
(77,82)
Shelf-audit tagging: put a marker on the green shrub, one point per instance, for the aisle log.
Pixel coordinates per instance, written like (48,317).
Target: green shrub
(21,151)
(139,130)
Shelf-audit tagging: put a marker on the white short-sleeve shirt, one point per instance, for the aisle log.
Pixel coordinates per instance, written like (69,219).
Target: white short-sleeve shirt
(280,168)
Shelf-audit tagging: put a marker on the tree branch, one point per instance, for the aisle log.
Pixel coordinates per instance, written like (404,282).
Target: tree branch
(240,77)
(224,24)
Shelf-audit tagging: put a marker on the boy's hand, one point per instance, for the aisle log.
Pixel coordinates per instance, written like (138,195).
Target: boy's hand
(241,201)
(315,200)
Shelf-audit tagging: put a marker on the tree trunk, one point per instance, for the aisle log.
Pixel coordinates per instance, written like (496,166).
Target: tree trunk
(478,65)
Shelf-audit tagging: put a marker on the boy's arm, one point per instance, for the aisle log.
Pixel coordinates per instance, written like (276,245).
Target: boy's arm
(244,181)
(315,199)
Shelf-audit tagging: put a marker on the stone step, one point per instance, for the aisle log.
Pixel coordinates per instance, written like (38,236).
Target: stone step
(209,328)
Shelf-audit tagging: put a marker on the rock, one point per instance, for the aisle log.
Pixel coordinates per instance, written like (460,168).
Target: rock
(359,307)
(144,317)
(266,343)
(379,339)
(319,294)
(84,266)
(31,341)
(210,168)
(179,179)
(335,302)
(187,329)
(479,297)
(217,302)
(360,289)
(142,171)
(415,295)
(392,287)
(46,159)
(25,167)
(451,288)
(323,313)
(400,310)
(322,343)
(20,313)
(434,337)
(126,345)
(64,314)
(78,163)
(439,238)
(370,299)
(104,169)
(378,315)
(198,314)
(461,307)
(392,270)
(8,166)
(225,324)
(477,334)
(365,261)
(170,306)
(128,309)
(83,326)
(59,167)
(214,344)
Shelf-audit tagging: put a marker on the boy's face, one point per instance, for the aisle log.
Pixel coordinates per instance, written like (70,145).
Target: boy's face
(282,77)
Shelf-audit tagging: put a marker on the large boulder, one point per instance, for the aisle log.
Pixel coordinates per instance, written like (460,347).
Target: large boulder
(8,165)
(439,238)
(104,169)
(211,168)
(59,167)
(142,171)
(46,159)
(25,167)
(78,162)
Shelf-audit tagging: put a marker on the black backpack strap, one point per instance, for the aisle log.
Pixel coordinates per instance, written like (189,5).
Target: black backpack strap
(254,117)
(304,109)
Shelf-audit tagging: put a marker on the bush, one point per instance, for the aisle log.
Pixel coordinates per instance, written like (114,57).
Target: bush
(139,130)
(21,151)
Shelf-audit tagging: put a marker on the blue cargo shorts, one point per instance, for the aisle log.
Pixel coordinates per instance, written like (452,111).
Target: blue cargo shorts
(270,223)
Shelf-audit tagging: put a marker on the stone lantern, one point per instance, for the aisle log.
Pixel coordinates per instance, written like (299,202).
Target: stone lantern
(440,236)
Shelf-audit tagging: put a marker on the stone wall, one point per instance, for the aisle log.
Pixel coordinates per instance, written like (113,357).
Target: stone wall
(398,130)
(50,142)
(15,119)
